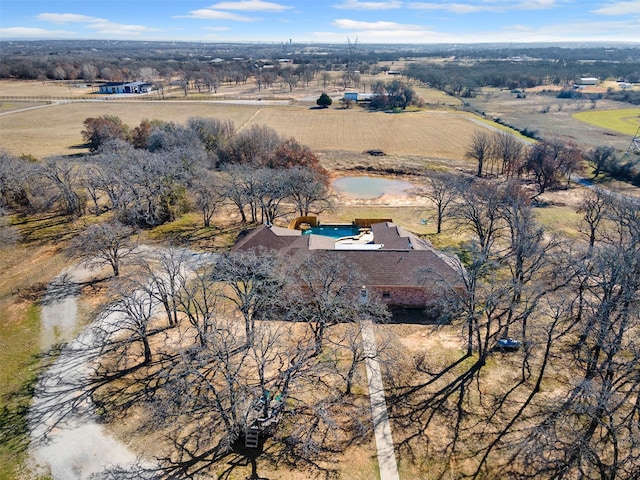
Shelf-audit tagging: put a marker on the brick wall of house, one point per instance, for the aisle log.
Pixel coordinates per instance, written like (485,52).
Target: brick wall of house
(405,296)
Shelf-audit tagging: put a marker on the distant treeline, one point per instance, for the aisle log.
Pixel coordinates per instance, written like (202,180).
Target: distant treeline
(465,68)
(462,79)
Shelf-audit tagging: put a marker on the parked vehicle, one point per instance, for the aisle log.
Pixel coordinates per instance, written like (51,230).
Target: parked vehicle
(508,344)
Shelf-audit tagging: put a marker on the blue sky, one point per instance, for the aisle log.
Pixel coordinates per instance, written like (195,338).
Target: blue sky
(333,21)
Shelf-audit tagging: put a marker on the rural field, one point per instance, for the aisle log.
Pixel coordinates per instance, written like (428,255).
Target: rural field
(564,118)
(624,121)
(56,129)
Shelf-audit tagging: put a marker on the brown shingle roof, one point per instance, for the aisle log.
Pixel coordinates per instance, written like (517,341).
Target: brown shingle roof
(401,267)
(272,238)
(399,263)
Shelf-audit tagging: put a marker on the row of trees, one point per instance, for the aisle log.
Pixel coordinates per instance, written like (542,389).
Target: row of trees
(548,161)
(160,170)
(464,78)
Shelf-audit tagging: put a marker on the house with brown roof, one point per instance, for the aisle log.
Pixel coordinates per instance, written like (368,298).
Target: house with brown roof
(403,269)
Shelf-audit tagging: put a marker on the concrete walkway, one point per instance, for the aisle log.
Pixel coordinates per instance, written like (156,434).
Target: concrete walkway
(382,428)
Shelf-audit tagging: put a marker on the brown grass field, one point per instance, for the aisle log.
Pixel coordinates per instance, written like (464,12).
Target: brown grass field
(56,129)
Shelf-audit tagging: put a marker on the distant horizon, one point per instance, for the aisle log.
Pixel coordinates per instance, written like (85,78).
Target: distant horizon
(601,44)
(382,22)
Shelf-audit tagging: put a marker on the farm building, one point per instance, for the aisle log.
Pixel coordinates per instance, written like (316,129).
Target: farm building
(400,268)
(126,87)
(358,97)
(588,81)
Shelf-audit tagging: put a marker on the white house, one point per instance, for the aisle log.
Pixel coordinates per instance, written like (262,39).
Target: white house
(126,87)
(358,97)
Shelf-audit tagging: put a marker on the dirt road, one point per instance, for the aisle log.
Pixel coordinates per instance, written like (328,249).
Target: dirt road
(67,439)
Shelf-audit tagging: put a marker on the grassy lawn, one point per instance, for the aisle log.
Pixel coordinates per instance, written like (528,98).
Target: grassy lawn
(25,270)
(624,121)
(24,275)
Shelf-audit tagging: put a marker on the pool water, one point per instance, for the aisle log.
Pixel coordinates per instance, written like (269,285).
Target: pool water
(334,231)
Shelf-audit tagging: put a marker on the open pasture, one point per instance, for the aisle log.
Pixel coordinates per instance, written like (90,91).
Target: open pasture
(430,134)
(624,120)
(551,117)
(57,129)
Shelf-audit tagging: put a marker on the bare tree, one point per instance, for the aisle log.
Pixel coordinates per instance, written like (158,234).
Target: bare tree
(308,190)
(590,425)
(165,275)
(478,211)
(480,149)
(330,289)
(599,157)
(135,309)
(254,145)
(594,207)
(549,160)
(63,178)
(252,281)
(198,299)
(509,150)
(104,244)
(326,79)
(92,179)
(209,194)
(272,189)
(213,133)
(441,190)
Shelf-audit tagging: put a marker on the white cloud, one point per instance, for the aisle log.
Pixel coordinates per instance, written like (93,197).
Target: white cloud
(618,8)
(210,14)
(61,18)
(100,25)
(489,6)
(375,26)
(105,27)
(26,32)
(453,7)
(360,5)
(251,6)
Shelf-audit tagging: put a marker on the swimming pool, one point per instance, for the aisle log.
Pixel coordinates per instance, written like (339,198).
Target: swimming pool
(334,231)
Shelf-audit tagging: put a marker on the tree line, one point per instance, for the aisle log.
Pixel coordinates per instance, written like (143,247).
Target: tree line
(463,79)
(151,174)
(548,162)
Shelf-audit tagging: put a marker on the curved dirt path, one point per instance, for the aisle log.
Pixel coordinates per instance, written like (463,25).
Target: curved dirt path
(67,439)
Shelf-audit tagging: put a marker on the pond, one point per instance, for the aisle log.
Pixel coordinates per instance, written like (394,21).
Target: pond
(370,187)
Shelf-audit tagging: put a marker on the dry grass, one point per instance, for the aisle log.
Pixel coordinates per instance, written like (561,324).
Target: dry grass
(551,117)
(422,133)
(57,129)
(133,425)
(24,273)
